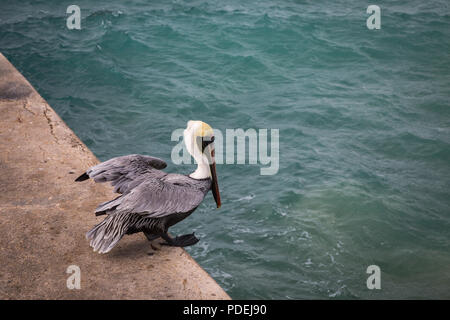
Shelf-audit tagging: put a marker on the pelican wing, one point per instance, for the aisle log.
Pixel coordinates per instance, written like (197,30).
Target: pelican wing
(155,199)
(126,172)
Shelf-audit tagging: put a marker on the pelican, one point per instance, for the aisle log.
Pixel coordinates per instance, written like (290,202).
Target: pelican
(151,200)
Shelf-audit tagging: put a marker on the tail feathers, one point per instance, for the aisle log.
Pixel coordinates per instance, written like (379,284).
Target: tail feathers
(104,236)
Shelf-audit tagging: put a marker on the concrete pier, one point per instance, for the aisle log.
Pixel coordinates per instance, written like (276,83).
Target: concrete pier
(44,216)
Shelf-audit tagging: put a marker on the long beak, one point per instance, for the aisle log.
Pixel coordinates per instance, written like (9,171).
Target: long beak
(215,186)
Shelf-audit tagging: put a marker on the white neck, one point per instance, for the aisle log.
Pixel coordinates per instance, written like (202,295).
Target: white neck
(202,172)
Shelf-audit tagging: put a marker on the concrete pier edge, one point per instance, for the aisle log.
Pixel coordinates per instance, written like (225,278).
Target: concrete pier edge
(44,216)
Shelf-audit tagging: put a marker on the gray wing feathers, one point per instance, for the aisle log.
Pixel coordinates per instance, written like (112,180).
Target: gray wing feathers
(151,199)
(104,207)
(155,199)
(127,172)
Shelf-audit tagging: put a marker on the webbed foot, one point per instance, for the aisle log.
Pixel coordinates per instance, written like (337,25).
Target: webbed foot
(180,241)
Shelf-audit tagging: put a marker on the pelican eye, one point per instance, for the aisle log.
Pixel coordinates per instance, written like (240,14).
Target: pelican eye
(206,142)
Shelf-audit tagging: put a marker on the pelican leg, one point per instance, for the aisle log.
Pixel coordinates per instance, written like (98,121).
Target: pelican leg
(150,237)
(179,241)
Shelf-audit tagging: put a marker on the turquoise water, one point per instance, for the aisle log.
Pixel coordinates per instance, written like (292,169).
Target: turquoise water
(363,115)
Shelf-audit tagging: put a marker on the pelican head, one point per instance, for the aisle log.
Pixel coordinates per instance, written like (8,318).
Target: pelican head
(199,140)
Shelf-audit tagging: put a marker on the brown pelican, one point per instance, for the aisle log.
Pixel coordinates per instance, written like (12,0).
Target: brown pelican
(151,200)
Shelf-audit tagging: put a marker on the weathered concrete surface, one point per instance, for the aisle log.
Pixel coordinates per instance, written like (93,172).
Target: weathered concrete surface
(44,216)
